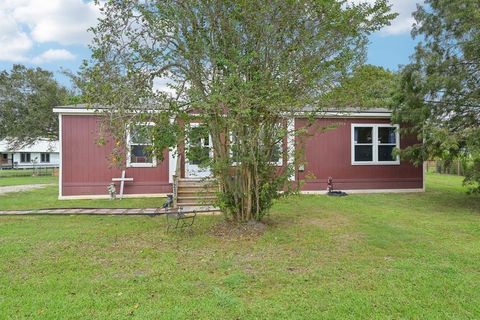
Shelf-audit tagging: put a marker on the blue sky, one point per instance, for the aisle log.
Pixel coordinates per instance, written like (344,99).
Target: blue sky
(52,34)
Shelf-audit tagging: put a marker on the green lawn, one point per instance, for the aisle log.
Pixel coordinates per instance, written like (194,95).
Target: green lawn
(14,181)
(390,256)
(48,198)
(39,171)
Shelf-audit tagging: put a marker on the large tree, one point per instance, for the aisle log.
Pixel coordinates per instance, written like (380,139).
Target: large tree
(242,68)
(367,87)
(27,96)
(440,89)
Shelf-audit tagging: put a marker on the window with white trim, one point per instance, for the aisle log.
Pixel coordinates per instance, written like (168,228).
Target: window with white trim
(25,157)
(373,144)
(139,147)
(234,151)
(45,157)
(276,154)
(199,145)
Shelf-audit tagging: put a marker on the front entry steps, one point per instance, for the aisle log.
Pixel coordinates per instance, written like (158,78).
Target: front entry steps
(196,193)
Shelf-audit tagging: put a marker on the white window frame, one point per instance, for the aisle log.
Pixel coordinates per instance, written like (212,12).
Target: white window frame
(131,164)
(375,144)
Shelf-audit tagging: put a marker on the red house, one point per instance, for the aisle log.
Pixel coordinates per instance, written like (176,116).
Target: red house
(357,153)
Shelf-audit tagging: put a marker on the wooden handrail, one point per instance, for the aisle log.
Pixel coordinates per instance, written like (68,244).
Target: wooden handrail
(176,177)
(177,168)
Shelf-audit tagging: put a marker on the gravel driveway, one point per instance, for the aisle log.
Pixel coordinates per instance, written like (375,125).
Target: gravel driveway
(23,187)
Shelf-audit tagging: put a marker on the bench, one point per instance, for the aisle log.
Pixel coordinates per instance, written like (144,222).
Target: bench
(179,220)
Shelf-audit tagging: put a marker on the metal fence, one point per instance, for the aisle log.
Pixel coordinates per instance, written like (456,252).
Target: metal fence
(36,171)
(456,167)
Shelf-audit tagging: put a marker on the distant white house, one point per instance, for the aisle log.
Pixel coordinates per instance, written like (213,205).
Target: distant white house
(42,153)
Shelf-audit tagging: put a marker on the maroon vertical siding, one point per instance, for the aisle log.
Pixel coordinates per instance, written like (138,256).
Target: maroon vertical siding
(328,153)
(86,169)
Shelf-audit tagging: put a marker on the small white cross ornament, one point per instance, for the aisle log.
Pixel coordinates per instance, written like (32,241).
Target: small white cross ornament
(122,182)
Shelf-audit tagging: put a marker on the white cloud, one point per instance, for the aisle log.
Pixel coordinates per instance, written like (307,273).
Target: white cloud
(62,21)
(162,84)
(14,43)
(24,23)
(404,21)
(54,55)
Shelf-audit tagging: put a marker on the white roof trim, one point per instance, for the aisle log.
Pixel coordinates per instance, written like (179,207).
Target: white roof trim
(90,111)
(330,114)
(75,111)
(357,114)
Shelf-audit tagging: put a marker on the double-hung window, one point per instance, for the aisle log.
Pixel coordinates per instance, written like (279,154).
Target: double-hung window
(45,157)
(373,144)
(139,146)
(234,150)
(276,154)
(25,157)
(276,151)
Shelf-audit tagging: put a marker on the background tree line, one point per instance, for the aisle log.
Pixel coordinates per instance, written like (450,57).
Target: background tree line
(27,96)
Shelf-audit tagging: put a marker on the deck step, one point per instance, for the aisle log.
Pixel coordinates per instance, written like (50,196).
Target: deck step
(195,197)
(196,180)
(210,199)
(194,204)
(200,208)
(197,189)
(196,200)
(196,192)
(197,186)
(200,186)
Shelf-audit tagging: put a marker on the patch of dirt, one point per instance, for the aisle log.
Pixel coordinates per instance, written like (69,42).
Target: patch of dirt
(233,230)
(329,222)
(22,188)
(347,239)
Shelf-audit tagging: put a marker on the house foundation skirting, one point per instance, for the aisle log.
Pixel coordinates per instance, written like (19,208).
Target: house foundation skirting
(106,196)
(305,192)
(365,191)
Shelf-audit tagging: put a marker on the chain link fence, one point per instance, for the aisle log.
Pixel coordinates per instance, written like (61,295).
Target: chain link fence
(36,171)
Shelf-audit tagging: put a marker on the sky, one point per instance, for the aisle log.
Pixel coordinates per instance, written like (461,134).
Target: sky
(52,34)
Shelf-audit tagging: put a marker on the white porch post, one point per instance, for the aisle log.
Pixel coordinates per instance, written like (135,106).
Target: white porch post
(291,144)
(172,162)
(172,159)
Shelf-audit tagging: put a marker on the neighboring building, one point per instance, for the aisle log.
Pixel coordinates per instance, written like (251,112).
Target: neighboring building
(357,154)
(42,153)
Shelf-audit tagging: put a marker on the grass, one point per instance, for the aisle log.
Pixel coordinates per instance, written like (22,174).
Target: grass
(48,198)
(383,256)
(39,171)
(15,181)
